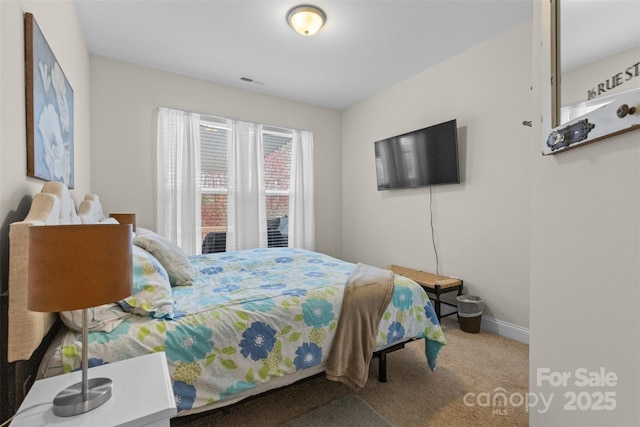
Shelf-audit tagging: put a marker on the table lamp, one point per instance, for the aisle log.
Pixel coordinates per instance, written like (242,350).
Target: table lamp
(125,218)
(74,267)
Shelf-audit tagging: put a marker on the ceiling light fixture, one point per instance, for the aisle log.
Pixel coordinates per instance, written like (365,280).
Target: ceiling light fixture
(306,19)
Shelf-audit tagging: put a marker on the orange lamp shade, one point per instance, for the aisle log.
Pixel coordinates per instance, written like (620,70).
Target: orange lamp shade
(125,218)
(73,267)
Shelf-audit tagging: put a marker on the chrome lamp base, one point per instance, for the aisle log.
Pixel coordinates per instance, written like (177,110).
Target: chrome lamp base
(72,401)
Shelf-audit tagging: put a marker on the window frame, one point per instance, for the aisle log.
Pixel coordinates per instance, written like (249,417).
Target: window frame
(222,124)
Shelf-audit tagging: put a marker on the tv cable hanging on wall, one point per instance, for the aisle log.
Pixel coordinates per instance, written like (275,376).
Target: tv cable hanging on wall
(433,238)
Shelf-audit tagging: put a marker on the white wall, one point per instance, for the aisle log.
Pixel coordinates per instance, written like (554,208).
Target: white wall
(585,270)
(585,276)
(60,26)
(124,101)
(481,225)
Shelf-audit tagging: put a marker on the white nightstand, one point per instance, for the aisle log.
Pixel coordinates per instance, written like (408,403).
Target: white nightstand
(142,396)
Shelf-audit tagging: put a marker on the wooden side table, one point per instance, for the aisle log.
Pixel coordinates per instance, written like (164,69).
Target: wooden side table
(434,284)
(142,396)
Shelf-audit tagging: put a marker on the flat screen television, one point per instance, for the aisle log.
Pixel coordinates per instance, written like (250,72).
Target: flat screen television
(419,158)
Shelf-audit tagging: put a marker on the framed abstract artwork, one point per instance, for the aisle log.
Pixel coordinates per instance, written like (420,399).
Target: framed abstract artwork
(49,108)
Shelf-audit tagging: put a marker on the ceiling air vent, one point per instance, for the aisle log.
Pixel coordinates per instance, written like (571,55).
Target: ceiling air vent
(251,80)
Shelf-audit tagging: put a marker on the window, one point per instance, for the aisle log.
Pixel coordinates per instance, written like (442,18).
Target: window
(277,145)
(277,167)
(211,177)
(214,176)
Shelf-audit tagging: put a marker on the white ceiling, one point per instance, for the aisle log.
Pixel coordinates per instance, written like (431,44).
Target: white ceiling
(365,46)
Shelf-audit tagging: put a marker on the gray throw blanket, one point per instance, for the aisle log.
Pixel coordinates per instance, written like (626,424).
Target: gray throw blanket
(367,294)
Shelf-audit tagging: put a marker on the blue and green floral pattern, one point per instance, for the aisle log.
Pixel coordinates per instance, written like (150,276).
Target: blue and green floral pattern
(251,316)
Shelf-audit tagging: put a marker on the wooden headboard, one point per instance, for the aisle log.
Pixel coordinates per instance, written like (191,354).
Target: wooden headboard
(52,206)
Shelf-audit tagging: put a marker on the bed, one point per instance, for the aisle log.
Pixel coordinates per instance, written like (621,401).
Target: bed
(232,324)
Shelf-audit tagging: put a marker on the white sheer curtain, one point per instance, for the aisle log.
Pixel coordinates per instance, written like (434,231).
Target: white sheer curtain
(246,201)
(301,208)
(178,179)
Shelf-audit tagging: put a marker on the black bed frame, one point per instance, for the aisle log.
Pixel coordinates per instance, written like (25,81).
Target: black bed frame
(382,358)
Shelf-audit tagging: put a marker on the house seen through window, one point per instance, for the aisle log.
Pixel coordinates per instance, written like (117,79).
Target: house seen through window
(214,179)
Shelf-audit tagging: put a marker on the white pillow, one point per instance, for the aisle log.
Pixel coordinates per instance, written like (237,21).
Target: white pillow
(151,295)
(170,255)
(104,318)
(109,220)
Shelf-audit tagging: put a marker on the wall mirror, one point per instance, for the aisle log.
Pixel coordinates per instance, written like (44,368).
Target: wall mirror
(595,71)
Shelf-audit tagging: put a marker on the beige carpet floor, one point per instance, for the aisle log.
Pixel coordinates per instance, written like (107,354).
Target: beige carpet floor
(473,369)
(346,411)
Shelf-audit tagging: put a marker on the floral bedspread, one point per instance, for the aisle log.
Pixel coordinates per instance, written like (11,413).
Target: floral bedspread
(251,316)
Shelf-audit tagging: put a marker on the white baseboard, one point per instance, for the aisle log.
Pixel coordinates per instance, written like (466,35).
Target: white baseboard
(505,329)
